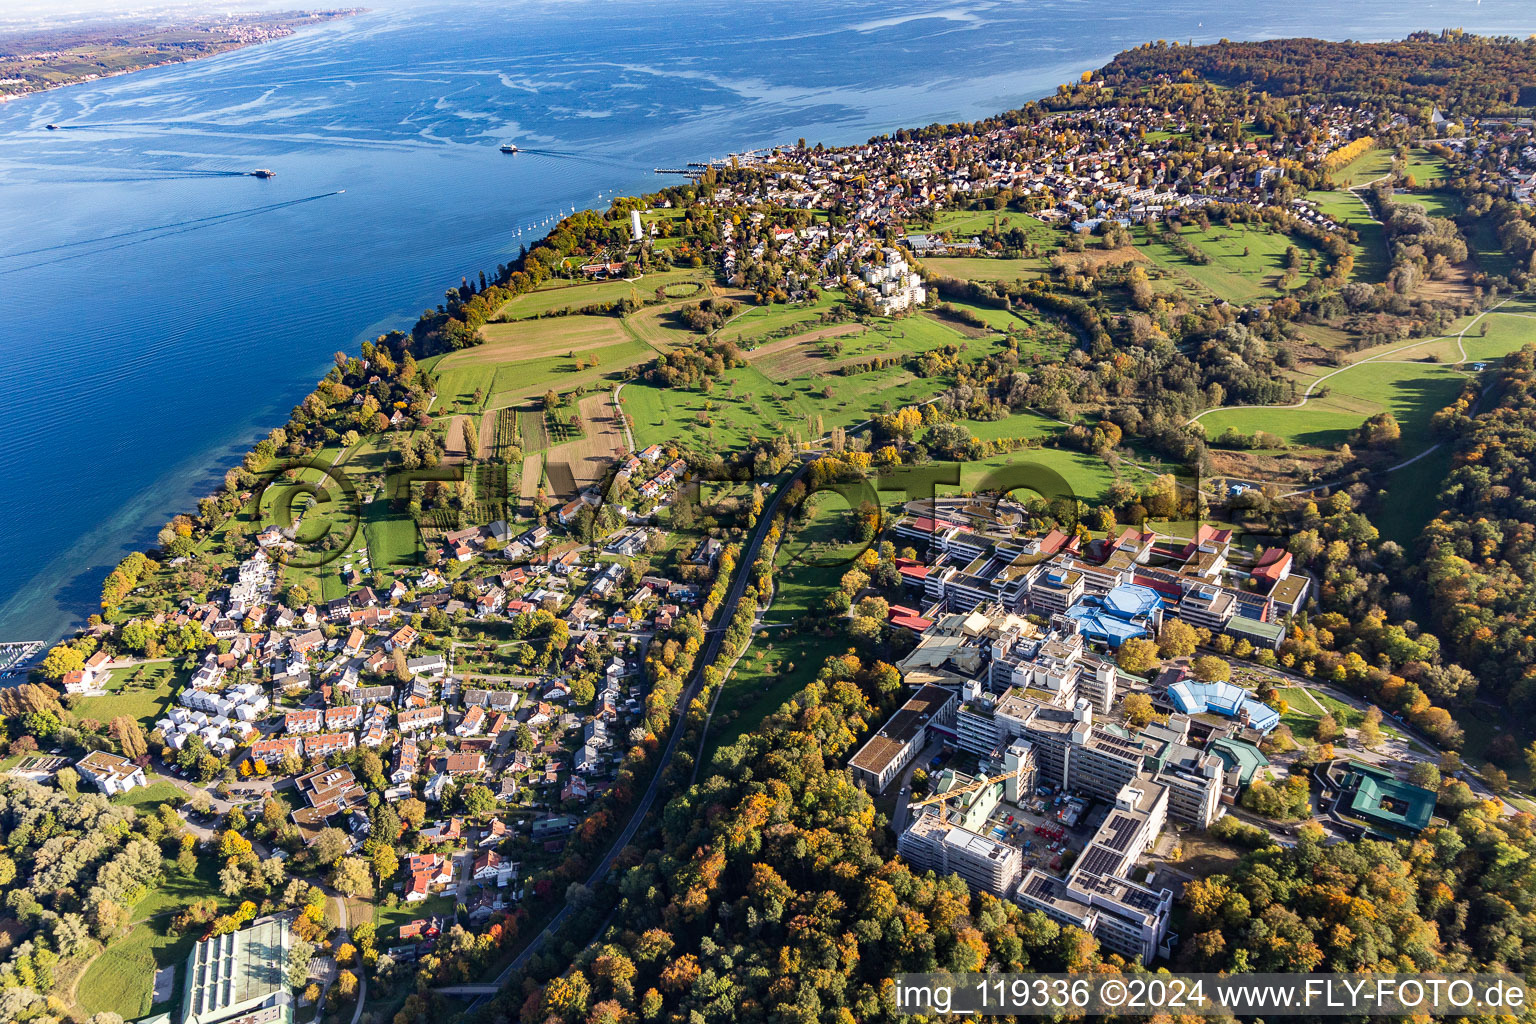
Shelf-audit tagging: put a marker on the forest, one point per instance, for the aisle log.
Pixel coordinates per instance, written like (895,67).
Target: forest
(1480,550)
(1462,73)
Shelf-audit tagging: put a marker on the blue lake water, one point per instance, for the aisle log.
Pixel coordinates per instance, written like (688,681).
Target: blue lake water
(159,311)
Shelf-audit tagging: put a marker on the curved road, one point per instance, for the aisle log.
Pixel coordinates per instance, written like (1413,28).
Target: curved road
(707,656)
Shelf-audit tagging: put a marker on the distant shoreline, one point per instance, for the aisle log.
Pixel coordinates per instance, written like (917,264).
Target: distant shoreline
(265,28)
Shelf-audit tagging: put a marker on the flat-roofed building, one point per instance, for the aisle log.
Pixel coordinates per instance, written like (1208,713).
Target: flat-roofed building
(1057,587)
(240,974)
(885,754)
(1209,606)
(931,843)
(110,773)
(1127,918)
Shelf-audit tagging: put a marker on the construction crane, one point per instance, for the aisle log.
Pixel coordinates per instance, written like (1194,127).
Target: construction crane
(980,782)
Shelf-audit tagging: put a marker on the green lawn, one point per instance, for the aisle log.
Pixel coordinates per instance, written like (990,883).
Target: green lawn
(1038,470)
(121,979)
(1484,244)
(1436,203)
(391,537)
(781,661)
(1247,262)
(151,796)
(1019,424)
(754,324)
(389,919)
(142,692)
(1411,503)
(1368,166)
(745,403)
(962,224)
(1411,391)
(1426,169)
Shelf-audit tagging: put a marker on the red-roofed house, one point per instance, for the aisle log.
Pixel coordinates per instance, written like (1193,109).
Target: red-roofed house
(1274,565)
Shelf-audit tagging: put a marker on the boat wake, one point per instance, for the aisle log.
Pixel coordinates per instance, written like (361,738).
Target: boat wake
(89,246)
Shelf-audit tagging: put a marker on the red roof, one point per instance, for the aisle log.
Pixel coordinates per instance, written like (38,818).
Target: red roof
(916,623)
(1273,563)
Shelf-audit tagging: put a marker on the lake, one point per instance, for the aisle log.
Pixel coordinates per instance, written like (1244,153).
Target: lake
(160,309)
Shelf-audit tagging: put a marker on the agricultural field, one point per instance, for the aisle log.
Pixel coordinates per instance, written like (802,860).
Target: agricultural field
(590,456)
(528,485)
(810,352)
(562,295)
(756,324)
(1247,262)
(979,268)
(531,428)
(589,349)
(551,336)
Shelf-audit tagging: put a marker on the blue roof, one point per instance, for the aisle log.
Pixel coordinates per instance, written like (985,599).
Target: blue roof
(1130,600)
(1191,697)
(1096,624)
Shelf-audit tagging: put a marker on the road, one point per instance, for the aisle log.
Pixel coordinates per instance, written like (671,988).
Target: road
(344,935)
(707,657)
(1428,749)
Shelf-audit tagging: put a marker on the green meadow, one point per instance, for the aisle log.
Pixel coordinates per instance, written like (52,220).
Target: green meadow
(1247,261)
(1370,248)
(561,294)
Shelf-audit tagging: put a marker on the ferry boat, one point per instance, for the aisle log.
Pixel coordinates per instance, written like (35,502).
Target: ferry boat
(262,172)
(509,147)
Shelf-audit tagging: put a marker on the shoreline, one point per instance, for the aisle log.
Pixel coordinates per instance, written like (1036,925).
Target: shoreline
(309,19)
